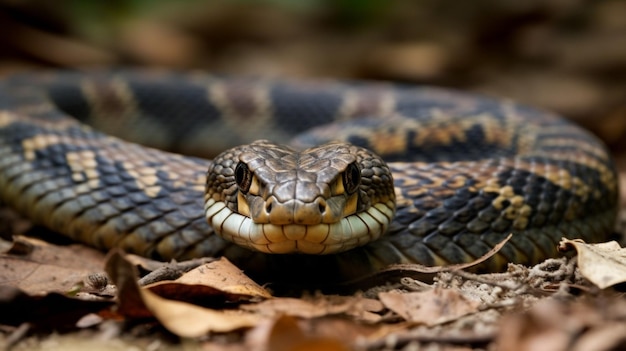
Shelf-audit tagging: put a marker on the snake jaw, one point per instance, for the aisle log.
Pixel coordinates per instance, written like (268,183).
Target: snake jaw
(322,200)
(324,238)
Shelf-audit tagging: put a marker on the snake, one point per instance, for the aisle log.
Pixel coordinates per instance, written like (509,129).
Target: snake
(317,180)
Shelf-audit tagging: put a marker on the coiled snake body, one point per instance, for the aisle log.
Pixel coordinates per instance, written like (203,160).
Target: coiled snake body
(467,171)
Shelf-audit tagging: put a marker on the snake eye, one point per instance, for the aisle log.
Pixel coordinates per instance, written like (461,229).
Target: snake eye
(351,178)
(243,177)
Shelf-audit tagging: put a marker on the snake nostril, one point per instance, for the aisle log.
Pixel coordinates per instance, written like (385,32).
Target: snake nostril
(321,206)
(268,207)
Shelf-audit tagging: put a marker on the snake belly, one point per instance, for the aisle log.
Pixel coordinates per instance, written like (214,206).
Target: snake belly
(467,170)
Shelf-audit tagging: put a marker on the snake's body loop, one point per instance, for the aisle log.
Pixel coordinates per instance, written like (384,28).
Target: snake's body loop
(467,170)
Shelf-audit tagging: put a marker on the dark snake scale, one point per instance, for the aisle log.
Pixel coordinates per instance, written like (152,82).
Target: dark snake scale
(467,171)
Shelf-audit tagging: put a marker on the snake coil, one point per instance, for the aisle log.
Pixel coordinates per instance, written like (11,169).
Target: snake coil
(466,170)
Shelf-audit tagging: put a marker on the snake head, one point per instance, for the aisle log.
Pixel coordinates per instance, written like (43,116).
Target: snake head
(321,200)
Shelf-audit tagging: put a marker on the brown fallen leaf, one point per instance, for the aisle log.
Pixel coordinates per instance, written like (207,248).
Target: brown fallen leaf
(589,325)
(181,318)
(430,307)
(62,255)
(144,263)
(602,264)
(284,334)
(606,338)
(187,320)
(218,278)
(361,309)
(37,267)
(124,276)
(47,312)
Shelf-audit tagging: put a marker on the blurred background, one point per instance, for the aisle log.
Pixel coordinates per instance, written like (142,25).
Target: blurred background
(568,56)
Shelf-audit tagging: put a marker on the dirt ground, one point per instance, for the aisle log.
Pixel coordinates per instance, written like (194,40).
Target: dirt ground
(567,56)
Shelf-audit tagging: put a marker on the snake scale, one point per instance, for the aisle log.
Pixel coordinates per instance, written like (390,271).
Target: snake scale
(464,171)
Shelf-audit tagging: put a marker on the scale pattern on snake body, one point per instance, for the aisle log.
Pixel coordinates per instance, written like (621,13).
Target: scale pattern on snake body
(468,170)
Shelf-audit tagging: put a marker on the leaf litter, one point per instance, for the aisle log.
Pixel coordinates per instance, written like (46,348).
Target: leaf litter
(211,304)
(603,264)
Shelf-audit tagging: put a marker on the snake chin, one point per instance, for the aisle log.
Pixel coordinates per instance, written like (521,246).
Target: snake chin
(318,239)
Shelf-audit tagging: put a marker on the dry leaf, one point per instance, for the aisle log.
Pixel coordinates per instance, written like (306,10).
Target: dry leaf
(181,318)
(592,325)
(52,311)
(187,320)
(220,278)
(124,276)
(607,338)
(430,307)
(45,268)
(284,334)
(144,263)
(602,264)
(358,307)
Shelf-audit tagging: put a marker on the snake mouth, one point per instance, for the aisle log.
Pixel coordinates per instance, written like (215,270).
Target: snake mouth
(319,239)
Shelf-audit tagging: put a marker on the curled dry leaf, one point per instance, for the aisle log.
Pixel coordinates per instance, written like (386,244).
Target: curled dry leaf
(187,320)
(124,276)
(181,318)
(214,278)
(602,264)
(430,307)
